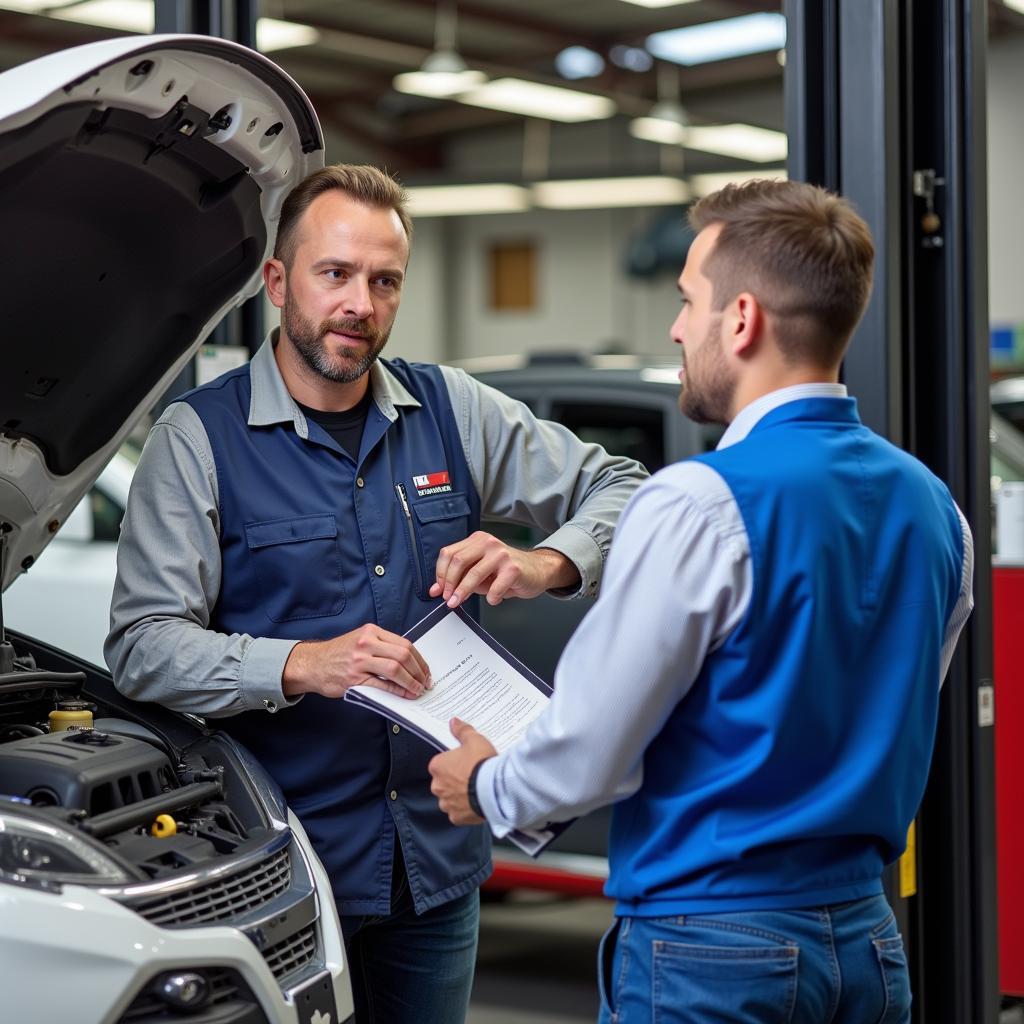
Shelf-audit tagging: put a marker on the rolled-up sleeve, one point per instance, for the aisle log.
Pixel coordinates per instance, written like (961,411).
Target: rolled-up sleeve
(538,473)
(160,647)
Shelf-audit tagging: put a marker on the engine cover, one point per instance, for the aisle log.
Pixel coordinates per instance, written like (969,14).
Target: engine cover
(90,770)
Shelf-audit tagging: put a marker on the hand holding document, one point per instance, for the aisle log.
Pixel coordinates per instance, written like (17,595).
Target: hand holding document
(475,679)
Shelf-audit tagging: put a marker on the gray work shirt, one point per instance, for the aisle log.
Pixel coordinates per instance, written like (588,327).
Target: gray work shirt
(160,646)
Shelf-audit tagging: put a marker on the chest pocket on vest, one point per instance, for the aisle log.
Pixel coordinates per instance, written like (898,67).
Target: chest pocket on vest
(298,563)
(439,521)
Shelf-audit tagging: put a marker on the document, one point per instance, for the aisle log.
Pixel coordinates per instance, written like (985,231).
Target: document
(475,679)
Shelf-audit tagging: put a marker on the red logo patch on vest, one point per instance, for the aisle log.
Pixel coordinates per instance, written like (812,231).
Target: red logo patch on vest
(432,483)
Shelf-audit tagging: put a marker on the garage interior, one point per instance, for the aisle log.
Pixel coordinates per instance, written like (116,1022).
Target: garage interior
(548,192)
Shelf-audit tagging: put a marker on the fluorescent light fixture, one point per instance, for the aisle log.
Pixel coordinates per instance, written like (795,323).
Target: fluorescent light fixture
(657,129)
(25,6)
(742,141)
(444,73)
(1014,5)
(272,34)
(137,16)
(518,96)
(658,3)
(125,15)
(600,193)
(704,184)
(454,200)
(720,40)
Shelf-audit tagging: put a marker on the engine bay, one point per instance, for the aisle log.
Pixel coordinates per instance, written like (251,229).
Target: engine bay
(157,807)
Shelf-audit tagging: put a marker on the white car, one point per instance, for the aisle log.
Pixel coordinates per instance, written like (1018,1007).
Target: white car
(149,868)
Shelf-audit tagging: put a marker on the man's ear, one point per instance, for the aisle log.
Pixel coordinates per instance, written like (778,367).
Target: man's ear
(275,278)
(746,321)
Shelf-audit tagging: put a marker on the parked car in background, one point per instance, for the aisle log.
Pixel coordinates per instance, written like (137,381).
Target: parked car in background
(67,593)
(149,868)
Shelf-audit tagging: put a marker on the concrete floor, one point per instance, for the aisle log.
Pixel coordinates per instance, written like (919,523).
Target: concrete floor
(536,963)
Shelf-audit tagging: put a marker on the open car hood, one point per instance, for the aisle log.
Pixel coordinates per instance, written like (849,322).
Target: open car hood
(141,180)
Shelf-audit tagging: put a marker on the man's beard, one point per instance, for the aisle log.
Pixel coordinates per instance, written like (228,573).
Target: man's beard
(707,398)
(310,343)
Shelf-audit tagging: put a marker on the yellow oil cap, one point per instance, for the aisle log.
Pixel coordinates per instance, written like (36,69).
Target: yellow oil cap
(163,826)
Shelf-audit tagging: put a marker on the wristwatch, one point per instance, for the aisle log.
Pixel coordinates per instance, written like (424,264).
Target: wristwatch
(474,802)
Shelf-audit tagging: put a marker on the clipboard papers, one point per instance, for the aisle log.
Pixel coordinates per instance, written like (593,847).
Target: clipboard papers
(475,679)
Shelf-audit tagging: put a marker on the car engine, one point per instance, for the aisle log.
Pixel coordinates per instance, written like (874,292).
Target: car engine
(155,808)
(174,821)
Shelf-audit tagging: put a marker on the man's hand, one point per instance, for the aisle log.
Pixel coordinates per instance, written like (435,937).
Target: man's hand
(482,564)
(368,655)
(451,771)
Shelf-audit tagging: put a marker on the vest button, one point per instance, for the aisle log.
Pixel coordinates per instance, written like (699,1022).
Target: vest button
(396,729)
(379,570)
(394,794)
(360,482)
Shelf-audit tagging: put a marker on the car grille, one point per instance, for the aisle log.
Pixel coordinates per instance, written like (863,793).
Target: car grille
(292,954)
(223,899)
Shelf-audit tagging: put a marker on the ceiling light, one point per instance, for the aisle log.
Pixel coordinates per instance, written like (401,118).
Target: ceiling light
(742,141)
(599,193)
(579,62)
(454,200)
(1015,5)
(720,40)
(444,73)
(631,58)
(518,96)
(25,6)
(137,16)
(658,3)
(272,34)
(658,129)
(705,184)
(124,15)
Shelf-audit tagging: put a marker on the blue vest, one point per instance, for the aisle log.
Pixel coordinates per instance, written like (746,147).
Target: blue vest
(314,545)
(789,774)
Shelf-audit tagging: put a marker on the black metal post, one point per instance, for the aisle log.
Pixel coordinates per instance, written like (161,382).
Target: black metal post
(876,91)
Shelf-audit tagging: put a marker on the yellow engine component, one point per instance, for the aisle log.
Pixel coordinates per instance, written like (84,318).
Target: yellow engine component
(70,713)
(163,826)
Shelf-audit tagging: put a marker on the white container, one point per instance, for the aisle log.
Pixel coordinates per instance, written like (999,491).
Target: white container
(1010,522)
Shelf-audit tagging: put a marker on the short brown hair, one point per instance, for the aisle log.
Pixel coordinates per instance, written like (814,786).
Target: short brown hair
(802,252)
(362,182)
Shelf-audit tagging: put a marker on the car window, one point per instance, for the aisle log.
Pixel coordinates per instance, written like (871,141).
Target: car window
(630,430)
(106,516)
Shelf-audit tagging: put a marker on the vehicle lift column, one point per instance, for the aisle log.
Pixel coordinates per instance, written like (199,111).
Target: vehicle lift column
(885,103)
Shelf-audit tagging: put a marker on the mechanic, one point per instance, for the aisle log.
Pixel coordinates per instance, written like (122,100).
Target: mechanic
(290,520)
(758,684)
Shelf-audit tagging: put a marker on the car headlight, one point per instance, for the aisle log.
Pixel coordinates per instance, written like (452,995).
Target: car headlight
(39,852)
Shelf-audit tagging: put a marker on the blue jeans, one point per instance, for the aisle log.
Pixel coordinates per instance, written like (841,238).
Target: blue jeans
(841,964)
(413,969)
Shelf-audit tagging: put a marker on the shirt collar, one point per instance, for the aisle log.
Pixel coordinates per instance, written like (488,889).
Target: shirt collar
(271,402)
(750,415)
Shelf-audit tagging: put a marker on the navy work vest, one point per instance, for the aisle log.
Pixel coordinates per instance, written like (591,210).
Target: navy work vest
(788,775)
(314,545)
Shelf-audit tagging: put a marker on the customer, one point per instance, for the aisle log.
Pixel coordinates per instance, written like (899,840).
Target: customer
(758,683)
(289,521)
